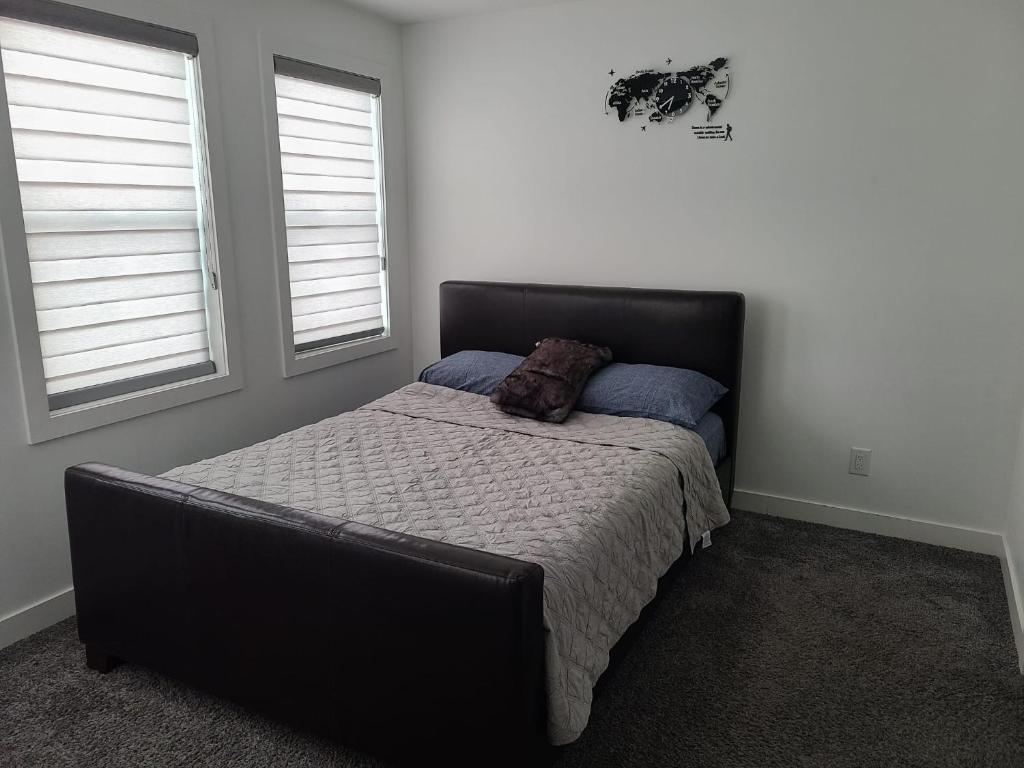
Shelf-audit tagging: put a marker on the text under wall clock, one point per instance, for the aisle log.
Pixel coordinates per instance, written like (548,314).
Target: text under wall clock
(662,97)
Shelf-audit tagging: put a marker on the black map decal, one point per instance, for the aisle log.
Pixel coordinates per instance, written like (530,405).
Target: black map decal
(664,96)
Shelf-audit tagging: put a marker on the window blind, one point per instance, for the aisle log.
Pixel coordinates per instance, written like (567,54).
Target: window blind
(104,135)
(330,166)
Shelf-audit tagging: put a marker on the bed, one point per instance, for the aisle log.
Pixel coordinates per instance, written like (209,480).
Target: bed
(424,575)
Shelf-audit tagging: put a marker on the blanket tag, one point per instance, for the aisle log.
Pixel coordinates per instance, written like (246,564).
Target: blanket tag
(705,540)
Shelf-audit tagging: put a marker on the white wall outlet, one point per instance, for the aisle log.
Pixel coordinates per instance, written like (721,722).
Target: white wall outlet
(860,461)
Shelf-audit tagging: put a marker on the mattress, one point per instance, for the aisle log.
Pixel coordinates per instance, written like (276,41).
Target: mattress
(603,504)
(711,429)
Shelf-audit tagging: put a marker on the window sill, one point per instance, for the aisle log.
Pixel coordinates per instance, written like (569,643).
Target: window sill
(44,426)
(315,360)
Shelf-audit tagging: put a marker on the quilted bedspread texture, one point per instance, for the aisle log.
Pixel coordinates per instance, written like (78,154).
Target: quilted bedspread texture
(604,504)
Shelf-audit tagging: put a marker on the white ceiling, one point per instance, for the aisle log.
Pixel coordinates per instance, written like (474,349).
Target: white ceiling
(408,11)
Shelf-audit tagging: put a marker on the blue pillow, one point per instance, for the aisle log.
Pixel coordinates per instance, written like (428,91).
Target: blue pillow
(471,371)
(675,395)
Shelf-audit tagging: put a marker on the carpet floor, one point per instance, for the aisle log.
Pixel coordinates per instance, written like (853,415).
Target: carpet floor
(784,644)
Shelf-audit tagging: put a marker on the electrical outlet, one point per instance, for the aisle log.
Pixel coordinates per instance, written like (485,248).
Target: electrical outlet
(860,461)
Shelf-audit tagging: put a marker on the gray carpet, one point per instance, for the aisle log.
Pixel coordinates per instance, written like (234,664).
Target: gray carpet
(785,644)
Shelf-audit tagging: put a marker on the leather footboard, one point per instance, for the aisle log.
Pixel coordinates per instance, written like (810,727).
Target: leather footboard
(391,642)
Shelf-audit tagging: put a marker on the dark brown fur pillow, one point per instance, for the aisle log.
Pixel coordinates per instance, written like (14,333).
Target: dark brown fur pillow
(547,384)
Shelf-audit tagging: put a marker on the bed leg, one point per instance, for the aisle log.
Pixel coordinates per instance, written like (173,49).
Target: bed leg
(98,660)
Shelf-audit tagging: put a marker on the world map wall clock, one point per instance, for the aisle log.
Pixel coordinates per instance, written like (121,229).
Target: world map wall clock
(663,96)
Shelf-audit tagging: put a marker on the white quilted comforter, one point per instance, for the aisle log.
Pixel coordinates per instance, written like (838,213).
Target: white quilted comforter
(597,501)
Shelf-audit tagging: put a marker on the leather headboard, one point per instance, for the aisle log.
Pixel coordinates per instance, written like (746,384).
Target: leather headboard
(699,330)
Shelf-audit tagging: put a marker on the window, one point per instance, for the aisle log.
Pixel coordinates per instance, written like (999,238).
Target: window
(328,125)
(110,171)
(109,146)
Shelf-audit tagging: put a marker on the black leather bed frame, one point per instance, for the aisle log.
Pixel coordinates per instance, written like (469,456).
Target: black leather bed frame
(393,643)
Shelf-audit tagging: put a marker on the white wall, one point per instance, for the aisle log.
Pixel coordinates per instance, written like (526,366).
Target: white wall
(34,560)
(871,207)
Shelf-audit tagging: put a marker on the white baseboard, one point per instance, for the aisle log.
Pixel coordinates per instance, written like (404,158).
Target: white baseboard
(27,621)
(927,531)
(1015,597)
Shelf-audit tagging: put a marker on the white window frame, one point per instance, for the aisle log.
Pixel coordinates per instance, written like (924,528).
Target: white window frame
(41,423)
(295,364)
